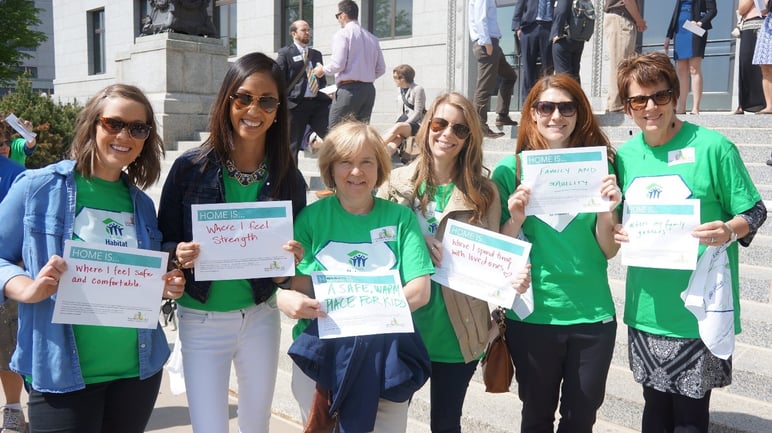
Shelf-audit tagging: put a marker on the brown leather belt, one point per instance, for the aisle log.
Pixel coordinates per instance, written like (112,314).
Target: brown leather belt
(344,82)
(621,11)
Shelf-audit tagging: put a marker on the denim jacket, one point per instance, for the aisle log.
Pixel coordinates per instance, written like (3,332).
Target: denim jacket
(193,180)
(44,201)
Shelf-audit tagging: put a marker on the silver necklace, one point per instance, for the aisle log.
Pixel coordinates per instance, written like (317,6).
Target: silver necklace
(246,179)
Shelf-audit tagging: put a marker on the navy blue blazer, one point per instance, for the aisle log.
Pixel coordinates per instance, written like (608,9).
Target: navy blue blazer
(702,11)
(290,60)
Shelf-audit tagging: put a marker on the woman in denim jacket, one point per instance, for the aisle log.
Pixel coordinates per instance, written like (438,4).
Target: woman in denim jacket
(75,384)
(246,158)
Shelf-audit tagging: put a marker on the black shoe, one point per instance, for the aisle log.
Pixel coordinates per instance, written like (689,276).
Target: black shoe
(504,120)
(489,133)
(769,162)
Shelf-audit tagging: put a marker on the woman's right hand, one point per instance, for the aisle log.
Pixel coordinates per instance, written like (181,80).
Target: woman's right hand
(23,289)
(297,305)
(187,253)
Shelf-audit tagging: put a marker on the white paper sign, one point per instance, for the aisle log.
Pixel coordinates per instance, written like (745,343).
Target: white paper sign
(480,263)
(243,240)
(565,180)
(361,303)
(18,127)
(694,28)
(110,286)
(660,234)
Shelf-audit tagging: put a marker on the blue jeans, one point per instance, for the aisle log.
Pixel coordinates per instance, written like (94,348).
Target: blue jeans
(118,406)
(211,341)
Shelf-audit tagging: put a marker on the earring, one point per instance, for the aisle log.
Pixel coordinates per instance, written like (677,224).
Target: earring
(275,120)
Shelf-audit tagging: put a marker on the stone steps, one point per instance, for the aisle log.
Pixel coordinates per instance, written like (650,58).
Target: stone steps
(745,406)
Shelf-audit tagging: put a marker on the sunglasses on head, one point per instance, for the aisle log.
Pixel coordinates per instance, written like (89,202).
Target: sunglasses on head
(546,108)
(641,101)
(269,104)
(438,124)
(137,130)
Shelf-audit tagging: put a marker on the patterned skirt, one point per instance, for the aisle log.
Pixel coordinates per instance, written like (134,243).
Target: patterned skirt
(682,366)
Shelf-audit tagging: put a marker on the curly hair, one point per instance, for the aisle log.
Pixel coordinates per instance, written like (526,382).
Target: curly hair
(145,170)
(469,175)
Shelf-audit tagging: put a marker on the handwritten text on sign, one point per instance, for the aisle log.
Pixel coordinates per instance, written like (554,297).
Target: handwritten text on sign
(565,180)
(480,263)
(243,240)
(110,286)
(659,234)
(361,303)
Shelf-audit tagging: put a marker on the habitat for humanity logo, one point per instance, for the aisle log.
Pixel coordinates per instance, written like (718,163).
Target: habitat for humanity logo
(138,317)
(357,259)
(653,190)
(114,231)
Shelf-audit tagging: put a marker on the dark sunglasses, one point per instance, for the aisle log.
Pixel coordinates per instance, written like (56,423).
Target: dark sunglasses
(337,16)
(546,108)
(137,130)
(438,124)
(641,101)
(269,104)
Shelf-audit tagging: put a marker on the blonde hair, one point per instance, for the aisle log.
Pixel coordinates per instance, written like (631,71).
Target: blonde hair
(345,140)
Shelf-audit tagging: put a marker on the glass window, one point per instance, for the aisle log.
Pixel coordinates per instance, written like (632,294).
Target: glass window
(225,17)
(96,42)
(293,10)
(391,18)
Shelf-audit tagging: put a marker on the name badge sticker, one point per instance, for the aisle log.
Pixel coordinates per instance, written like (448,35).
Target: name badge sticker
(681,156)
(383,234)
(298,58)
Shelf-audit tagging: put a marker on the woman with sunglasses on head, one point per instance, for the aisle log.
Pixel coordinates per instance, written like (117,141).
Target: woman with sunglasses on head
(246,158)
(448,181)
(563,349)
(680,160)
(86,379)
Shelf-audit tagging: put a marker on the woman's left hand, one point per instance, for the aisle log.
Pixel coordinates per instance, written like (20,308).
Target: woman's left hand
(435,249)
(522,280)
(610,190)
(174,284)
(713,233)
(297,250)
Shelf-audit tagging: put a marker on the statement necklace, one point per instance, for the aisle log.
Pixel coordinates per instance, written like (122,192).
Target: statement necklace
(246,179)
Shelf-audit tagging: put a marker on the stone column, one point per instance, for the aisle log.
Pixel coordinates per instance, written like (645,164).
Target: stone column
(181,75)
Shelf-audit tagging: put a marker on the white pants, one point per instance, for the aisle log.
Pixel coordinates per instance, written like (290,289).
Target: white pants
(248,338)
(391,416)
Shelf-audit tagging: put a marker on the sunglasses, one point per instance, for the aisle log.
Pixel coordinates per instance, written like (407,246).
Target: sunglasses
(546,108)
(137,130)
(337,16)
(269,104)
(5,143)
(438,124)
(641,101)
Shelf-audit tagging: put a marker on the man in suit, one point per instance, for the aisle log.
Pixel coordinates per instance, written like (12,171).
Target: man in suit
(308,106)
(532,23)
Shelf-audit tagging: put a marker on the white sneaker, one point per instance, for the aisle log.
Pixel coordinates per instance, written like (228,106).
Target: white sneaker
(13,421)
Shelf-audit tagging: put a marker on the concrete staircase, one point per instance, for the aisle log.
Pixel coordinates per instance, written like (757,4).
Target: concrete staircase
(745,406)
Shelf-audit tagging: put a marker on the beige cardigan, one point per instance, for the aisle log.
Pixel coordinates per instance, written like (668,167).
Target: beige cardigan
(469,316)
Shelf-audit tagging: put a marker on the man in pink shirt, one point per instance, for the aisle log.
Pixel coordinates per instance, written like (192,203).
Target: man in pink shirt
(356,61)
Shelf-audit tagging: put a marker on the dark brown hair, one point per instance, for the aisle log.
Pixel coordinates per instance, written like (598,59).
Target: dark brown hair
(406,72)
(647,70)
(277,150)
(143,171)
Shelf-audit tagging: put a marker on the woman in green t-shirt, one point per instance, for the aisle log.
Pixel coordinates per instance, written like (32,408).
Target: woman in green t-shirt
(563,349)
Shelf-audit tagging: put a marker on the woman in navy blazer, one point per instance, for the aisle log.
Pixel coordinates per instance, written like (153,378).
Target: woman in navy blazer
(688,48)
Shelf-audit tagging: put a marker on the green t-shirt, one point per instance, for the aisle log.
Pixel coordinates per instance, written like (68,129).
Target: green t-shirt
(19,151)
(335,240)
(432,319)
(105,214)
(229,295)
(702,164)
(568,268)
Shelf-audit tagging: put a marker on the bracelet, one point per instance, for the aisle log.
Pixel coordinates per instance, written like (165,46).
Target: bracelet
(285,284)
(733,235)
